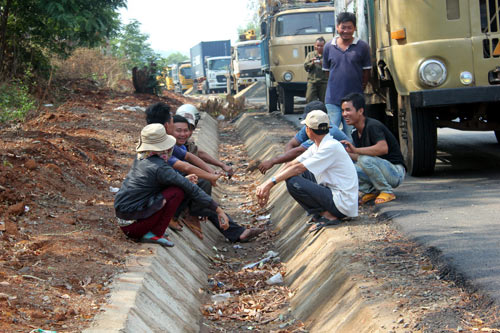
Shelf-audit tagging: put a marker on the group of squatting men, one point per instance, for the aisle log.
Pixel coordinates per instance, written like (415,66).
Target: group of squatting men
(329,172)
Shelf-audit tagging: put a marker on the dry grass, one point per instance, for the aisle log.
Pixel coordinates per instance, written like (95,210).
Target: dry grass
(92,64)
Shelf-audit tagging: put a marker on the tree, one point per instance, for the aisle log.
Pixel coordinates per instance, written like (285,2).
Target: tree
(132,44)
(175,58)
(32,30)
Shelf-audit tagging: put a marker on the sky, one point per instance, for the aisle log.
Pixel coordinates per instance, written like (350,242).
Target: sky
(178,25)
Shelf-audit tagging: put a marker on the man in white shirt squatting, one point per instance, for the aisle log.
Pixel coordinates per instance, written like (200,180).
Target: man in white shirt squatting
(322,180)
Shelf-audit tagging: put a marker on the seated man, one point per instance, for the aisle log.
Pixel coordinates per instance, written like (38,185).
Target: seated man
(300,142)
(322,180)
(152,191)
(190,115)
(379,162)
(182,161)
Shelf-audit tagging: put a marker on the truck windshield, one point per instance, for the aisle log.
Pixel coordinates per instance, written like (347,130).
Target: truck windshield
(186,72)
(249,52)
(305,24)
(219,64)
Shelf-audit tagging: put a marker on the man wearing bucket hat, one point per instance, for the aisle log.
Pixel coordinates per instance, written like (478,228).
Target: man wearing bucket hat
(152,190)
(300,142)
(322,180)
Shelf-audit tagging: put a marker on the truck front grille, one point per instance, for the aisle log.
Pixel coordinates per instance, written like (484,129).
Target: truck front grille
(221,78)
(307,49)
(489,46)
(490,12)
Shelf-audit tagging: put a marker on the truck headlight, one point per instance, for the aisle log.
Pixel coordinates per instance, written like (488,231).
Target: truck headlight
(288,76)
(432,72)
(466,78)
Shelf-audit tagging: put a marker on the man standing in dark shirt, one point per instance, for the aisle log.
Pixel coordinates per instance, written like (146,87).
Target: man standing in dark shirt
(376,151)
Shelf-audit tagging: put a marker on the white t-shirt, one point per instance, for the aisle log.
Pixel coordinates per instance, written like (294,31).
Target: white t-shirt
(332,167)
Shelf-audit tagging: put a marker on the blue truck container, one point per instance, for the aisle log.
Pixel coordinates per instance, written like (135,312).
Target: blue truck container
(203,50)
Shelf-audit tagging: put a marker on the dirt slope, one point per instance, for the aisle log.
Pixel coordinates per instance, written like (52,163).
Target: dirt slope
(60,247)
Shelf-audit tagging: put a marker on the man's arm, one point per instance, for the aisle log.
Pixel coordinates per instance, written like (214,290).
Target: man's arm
(292,143)
(196,161)
(366,77)
(288,156)
(378,149)
(191,169)
(294,168)
(212,160)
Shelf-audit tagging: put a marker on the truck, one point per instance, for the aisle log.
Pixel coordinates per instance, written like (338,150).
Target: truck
(217,69)
(200,54)
(288,32)
(434,64)
(182,77)
(169,80)
(246,67)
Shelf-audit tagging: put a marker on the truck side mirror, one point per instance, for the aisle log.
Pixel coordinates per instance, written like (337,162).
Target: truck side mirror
(263,28)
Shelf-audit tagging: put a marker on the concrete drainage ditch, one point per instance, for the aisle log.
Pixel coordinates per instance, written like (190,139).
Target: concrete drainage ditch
(160,290)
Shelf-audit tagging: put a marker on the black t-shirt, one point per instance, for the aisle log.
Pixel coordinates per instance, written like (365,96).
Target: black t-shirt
(374,132)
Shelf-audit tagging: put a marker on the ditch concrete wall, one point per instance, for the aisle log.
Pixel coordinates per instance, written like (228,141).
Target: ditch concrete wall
(159,291)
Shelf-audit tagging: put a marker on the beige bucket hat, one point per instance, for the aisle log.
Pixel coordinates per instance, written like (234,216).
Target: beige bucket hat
(155,138)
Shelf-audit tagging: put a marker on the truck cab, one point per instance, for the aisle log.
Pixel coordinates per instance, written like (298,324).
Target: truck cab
(288,35)
(217,70)
(182,77)
(246,66)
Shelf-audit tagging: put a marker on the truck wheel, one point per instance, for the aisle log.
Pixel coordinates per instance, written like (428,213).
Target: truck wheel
(271,99)
(497,134)
(286,101)
(417,137)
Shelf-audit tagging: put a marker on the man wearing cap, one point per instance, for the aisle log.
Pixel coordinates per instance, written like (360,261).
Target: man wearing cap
(322,180)
(300,142)
(379,162)
(152,190)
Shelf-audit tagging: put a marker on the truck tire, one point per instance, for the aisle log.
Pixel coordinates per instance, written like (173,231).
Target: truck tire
(497,134)
(271,99)
(286,101)
(417,137)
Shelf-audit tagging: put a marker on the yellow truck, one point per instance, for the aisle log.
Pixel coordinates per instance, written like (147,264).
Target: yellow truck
(289,30)
(169,80)
(182,77)
(435,64)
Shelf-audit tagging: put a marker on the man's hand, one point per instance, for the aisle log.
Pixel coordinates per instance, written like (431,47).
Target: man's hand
(264,166)
(223,219)
(263,192)
(229,170)
(192,178)
(349,147)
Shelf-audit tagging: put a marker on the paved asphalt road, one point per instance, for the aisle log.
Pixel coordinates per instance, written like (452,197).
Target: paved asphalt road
(456,210)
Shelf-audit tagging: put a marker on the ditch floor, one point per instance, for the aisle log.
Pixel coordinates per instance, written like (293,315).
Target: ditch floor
(387,267)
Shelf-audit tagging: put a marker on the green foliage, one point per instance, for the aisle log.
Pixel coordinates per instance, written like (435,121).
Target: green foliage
(131,44)
(15,101)
(175,58)
(37,29)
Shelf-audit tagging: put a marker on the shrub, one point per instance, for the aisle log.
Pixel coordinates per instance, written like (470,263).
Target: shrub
(15,101)
(91,64)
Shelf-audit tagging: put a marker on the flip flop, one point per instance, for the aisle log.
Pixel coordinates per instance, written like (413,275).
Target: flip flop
(174,225)
(314,219)
(323,222)
(368,197)
(193,223)
(153,239)
(384,197)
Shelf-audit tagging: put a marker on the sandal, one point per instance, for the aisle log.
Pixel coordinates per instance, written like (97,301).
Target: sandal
(152,238)
(314,219)
(323,222)
(193,223)
(175,225)
(384,197)
(368,197)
